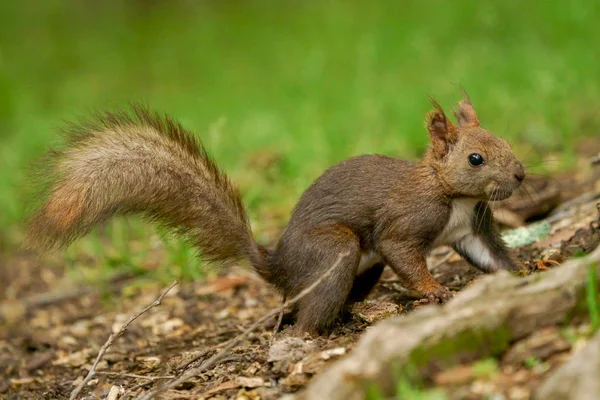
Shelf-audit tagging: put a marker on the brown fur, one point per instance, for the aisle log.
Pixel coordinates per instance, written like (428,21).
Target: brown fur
(375,205)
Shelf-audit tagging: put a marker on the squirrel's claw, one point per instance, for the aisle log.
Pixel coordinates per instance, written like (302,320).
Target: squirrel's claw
(439,295)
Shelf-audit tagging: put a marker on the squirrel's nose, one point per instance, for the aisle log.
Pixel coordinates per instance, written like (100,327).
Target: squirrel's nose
(520,174)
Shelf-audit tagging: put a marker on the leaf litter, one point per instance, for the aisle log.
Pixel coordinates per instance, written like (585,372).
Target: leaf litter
(48,342)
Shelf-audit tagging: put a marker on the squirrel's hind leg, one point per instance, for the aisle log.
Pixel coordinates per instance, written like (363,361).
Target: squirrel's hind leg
(320,308)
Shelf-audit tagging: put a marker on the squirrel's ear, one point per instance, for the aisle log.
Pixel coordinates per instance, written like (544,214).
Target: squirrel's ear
(466,115)
(441,131)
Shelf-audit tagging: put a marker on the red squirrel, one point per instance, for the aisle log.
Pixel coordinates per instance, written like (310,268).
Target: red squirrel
(376,209)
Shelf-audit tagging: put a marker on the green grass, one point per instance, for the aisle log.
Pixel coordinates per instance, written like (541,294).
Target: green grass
(592,298)
(532,362)
(405,391)
(409,386)
(307,83)
(485,368)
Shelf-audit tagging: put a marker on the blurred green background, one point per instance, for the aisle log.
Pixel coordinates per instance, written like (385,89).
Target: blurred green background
(280,90)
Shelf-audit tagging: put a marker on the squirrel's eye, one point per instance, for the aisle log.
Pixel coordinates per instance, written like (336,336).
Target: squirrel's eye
(475,159)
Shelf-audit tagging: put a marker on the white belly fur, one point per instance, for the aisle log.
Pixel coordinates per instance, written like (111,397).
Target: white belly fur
(459,223)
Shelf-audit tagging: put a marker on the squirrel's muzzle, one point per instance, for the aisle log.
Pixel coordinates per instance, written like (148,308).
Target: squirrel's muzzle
(519,173)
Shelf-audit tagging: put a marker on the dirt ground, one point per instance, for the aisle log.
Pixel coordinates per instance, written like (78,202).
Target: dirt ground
(51,331)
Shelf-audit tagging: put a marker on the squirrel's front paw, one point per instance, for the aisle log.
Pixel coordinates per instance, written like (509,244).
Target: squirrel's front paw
(439,295)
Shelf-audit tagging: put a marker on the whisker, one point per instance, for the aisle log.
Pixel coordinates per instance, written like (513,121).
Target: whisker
(528,193)
(479,222)
(495,196)
(539,174)
(542,162)
(487,208)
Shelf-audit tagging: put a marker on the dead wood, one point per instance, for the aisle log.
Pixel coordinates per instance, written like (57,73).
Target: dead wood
(481,322)
(577,379)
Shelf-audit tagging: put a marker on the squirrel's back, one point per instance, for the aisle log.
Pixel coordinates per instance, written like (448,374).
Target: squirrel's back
(146,163)
(351,191)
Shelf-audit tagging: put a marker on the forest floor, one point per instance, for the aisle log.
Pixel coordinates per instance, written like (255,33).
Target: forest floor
(51,329)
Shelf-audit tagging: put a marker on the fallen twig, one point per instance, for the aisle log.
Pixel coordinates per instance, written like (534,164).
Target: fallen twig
(148,379)
(236,340)
(200,355)
(136,387)
(574,206)
(135,376)
(443,260)
(278,324)
(112,338)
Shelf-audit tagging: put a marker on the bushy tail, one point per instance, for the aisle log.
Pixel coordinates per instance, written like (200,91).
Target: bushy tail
(142,162)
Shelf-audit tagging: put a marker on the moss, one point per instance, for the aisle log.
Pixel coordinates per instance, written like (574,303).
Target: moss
(462,347)
(466,346)
(439,353)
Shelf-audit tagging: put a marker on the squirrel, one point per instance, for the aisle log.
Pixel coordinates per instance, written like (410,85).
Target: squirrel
(376,209)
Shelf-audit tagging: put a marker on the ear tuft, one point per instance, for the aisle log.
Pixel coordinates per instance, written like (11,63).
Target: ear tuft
(466,115)
(441,130)
(437,124)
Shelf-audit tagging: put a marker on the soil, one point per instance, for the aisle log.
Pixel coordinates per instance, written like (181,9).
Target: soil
(51,330)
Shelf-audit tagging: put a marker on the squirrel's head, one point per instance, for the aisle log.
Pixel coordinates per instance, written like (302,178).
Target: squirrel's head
(469,160)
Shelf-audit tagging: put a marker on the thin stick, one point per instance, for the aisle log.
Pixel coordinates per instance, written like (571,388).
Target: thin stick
(112,338)
(279,321)
(443,260)
(147,379)
(193,360)
(135,376)
(136,387)
(235,341)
